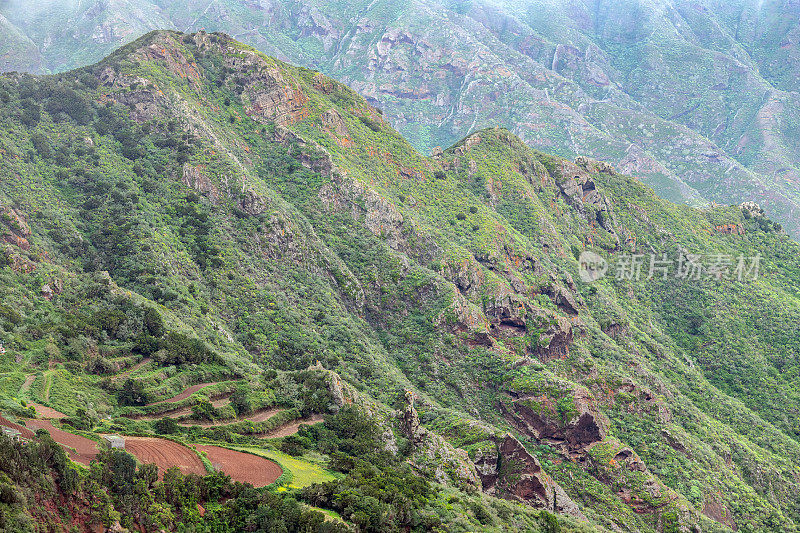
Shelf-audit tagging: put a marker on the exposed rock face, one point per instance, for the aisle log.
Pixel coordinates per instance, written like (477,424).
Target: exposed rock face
(517,475)
(575,428)
(432,455)
(195,178)
(555,341)
(267,96)
(752,208)
(14,228)
(730,229)
(252,203)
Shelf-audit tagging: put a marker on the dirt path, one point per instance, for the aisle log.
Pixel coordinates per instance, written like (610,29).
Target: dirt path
(48,382)
(28,382)
(258,416)
(46,412)
(292,427)
(132,369)
(165,454)
(80,449)
(244,467)
(185,394)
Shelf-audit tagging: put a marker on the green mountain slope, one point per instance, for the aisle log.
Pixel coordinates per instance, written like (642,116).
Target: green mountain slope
(698,99)
(190,211)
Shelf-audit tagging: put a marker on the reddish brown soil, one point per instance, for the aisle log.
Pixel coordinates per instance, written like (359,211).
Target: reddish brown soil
(183,411)
(185,394)
(243,467)
(258,416)
(46,412)
(80,449)
(292,427)
(25,432)
(132,369)
(165,454)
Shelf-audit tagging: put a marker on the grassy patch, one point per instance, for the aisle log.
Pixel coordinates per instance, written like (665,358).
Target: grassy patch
(304,473)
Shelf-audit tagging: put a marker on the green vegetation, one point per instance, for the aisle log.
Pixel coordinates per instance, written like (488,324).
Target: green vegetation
(305,258)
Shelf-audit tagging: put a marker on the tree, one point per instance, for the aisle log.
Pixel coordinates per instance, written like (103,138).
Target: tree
(166,426)
(132,393)
(240,402)
(204,411)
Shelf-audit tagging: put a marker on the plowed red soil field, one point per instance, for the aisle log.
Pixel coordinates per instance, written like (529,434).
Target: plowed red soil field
(26,433)
(84,449)
(165,454)
(241,466)
(46,412)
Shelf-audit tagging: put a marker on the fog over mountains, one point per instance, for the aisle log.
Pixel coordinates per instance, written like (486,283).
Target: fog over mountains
(698,97)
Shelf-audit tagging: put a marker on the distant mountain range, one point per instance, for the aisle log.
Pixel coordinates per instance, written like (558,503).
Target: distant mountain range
(697,97)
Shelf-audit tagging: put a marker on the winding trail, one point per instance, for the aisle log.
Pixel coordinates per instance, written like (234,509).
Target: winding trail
(28,382)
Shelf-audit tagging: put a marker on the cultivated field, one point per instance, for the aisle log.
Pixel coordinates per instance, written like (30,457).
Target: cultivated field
(292,427)
(46,412)
(165,454)
(185,394)
(261,415)
(241,466)
(81,449)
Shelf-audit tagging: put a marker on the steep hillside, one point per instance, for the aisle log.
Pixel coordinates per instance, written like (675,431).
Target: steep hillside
(698,98)
(195,230)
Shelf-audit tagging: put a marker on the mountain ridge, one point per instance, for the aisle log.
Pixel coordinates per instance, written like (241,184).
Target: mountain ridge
(274,221)
(676,96)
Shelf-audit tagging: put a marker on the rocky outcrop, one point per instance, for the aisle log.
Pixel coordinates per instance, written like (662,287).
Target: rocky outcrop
(195,177)
(267,96)
(14,228)
(571,421)
(554,343)
(729,229)
(508,470)
(432,455)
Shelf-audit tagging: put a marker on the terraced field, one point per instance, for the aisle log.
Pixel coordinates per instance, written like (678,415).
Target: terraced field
(245,467)
(292,427)
(46,412)
(80,449)
(165,454)
(131,370)
(262,415)
(185,394)
(183,411)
